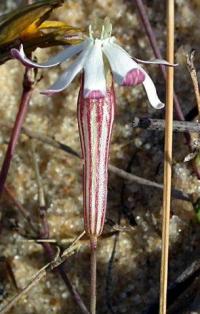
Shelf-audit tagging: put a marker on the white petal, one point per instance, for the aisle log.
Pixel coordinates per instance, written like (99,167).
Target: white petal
(155,61)
(94,75)
(56,60)
(67,53)
(151,92)
(120,61)
(66,78)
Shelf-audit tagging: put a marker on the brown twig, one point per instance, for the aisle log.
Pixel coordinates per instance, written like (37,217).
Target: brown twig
(44,139)
(74,242)
(21,208)
(50,141)
(44,232)
(132,178)
(193,74)
(159,125)
(53,264)
(167,159)
(40,274)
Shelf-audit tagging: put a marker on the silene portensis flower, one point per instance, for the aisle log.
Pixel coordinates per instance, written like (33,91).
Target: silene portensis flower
(100,60)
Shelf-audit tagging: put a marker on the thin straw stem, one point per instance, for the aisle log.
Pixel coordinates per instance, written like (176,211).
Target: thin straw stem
(93,274)
(168,158)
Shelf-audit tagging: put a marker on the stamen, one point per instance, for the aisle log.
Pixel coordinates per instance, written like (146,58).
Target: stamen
(91,32)
(102,32)
(108,28)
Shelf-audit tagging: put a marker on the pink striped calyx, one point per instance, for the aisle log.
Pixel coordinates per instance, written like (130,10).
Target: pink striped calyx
(95,119)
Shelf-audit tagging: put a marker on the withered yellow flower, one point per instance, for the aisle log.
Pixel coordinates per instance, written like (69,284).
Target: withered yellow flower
(28,25)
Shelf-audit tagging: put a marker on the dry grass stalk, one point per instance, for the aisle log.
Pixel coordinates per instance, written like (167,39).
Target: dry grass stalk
(167,158)
(37,277)
(56,262)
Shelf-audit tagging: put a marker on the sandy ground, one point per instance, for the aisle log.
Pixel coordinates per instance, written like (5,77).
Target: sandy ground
(134,283)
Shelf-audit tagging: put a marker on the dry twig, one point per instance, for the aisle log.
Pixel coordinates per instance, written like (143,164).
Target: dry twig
(132,178)
(159,125)
(21,208)
(44,232)
(193,74)
(56,262)
(37,277)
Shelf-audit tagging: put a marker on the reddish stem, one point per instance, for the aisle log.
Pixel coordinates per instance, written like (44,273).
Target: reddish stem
(21,115)
(93,275)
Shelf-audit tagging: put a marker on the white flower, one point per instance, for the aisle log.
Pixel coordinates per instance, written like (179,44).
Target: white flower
(91,55)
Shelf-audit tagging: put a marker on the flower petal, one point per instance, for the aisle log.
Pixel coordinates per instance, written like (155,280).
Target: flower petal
(56,60)
(155,61)
(66,78)
(94,75)
(120,61)
(133,78)
(151,92)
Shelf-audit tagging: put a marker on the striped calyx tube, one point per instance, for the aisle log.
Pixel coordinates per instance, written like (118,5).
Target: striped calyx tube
(95,120)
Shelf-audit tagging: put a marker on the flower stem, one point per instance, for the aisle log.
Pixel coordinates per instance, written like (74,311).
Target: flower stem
(93,243)
(21,115)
